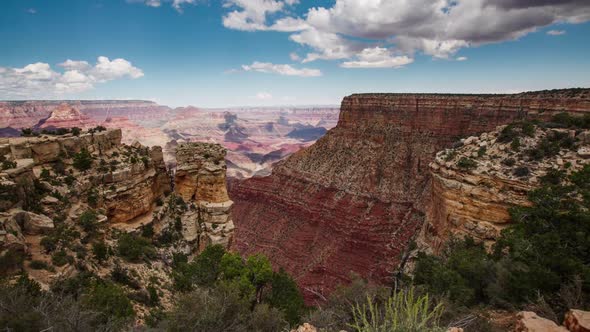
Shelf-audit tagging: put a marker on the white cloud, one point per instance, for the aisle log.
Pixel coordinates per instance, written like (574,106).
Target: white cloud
(377,57)
(40,80)
(294,56)
(176,4)
(461,58)
(263,96)
(288,70)
(32,11)
(350,29)
(556,32)
(251,15)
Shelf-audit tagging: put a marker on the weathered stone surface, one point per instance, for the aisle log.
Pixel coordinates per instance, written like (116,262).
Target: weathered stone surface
(577,321)
(306,327)
(354,199)
(34,224)
(475,201)
(11,237)
(529,322)
(200,181)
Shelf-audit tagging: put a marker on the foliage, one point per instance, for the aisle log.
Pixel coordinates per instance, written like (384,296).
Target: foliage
(11,260)
(539,255)
(109,300)
(7,164)
(61,258)
(466,163)
(565,120)
(336,313)
(285,296)
(100,251)
(89,221)
(461,272)
(135,248)
(83,160)
(403,312)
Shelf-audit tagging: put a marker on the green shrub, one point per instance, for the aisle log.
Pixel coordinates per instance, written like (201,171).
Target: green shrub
(110,301)
(509,162)
(38,265)
(135,248)
(7,164)
(61,258)
(83,160)
(100,251)
(466,163)
(285,296)
(522,171)
(89,221)
(403,312)
(10,261)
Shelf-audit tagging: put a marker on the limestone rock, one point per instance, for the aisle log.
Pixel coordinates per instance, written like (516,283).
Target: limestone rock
(577,321)
(529,322)
(201,181)
(306,327)
(34,224)
(11,237)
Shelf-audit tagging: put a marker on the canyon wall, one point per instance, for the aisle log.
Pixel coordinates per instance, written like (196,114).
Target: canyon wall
(353,201)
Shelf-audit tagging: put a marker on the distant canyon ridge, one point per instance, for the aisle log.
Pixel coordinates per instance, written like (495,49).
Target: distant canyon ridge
(256,137)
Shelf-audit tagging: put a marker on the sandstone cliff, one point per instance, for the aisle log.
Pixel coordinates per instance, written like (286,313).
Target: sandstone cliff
(200,181)
(353,201)
(475,185)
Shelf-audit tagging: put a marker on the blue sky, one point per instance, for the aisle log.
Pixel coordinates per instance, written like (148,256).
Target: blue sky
(283,52)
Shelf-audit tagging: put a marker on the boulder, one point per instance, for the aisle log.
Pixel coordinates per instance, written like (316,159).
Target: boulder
(584,152)
(306,327)
(577,320)
(34,224)
(528,321)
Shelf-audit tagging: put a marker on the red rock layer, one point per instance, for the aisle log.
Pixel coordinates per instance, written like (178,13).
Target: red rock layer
(353,201)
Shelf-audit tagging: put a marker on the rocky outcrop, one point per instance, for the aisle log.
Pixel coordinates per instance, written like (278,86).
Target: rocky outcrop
(67,116)
(474,186)
(125,180)
(200,180)
(577,320)
(354,200)
(529,322)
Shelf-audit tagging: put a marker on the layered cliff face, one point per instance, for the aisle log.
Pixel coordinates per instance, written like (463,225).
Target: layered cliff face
(200,181)
(353,201)
(67,116)
(475,185)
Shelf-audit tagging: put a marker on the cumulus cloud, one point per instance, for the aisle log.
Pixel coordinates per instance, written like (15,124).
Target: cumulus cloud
(294,56)
(251,15)
(461,58)
(288,70)
(40,80)
(380,33)
(556,32)
(377,57)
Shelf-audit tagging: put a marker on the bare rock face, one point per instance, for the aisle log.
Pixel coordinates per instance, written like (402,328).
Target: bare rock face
(577,320)
(200,180)
(474,186)
(34,224)
(529,322)
(354,200)
(67,116)
(11,237)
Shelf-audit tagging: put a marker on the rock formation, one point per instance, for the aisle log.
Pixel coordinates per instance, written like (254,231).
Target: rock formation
(67,116)
(200,180)
(354,200)
(474,186)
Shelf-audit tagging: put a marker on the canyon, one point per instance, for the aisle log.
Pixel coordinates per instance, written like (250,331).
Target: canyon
(256,137)
(353,202)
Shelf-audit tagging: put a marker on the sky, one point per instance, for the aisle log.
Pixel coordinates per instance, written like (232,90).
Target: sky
(221,53)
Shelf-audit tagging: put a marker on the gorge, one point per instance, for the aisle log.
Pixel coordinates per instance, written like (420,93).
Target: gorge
(355,200)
